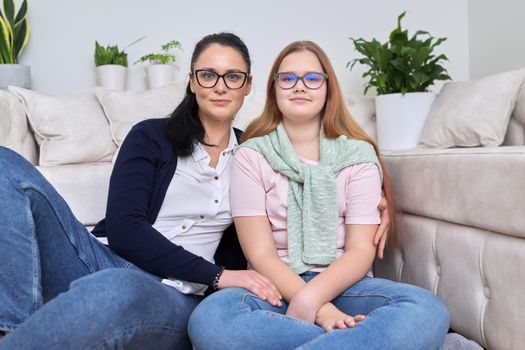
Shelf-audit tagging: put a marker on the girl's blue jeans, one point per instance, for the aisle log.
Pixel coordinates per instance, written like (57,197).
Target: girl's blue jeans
(399,316)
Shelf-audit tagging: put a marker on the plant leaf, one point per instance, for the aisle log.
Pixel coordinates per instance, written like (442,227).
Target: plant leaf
(5,47)
(22,11)
(21,38)
(9,11)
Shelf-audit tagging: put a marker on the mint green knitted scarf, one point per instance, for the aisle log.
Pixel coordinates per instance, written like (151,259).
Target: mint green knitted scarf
(312,197)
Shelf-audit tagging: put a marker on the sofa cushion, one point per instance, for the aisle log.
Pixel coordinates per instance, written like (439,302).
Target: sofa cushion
(477,187)
(124,109)
(472,113)
(17,135)
(69,129)
(516,131)
(83,186)
(5,123)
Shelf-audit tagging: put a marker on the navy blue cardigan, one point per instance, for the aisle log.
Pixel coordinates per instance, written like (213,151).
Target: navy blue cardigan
(142,173)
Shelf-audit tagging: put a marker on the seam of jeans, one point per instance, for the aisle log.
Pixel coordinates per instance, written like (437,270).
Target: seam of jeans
(36,295)
(289,318)
(353,294)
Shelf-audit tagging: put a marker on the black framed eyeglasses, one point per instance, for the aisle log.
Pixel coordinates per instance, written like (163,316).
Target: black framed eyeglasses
(312,80)
(208,79)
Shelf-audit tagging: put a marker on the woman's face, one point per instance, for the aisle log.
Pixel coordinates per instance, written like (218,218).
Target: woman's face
(301,104)
(219,103)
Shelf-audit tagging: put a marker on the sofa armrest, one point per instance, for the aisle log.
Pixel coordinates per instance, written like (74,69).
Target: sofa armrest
(462,236)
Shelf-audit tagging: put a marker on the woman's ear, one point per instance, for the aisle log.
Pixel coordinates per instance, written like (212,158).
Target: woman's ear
(248,85)
(192,83)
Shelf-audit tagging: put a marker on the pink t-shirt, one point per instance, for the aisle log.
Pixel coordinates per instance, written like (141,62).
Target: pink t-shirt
(257,190)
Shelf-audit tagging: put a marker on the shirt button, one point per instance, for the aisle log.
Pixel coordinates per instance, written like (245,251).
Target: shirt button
(202,216)
(216,178)
(183,227)
(223,153)
(216,201)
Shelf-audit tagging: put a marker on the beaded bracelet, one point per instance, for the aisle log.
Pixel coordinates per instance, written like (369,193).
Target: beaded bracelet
(215,283)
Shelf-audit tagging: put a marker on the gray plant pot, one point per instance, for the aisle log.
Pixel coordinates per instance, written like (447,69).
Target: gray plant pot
(15,74)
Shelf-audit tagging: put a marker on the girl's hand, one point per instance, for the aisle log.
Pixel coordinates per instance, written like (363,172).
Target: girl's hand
(381,234)
(330,317)
(252,281)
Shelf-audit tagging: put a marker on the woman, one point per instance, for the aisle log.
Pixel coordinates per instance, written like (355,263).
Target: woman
(307,182)
(168,206)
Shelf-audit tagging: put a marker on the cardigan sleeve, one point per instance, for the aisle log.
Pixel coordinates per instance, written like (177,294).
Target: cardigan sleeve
(129,232)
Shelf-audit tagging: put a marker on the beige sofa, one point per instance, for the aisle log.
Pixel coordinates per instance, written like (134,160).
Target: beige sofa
(462,232)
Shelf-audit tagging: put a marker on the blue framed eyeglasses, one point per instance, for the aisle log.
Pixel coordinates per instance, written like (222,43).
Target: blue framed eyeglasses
(288,80)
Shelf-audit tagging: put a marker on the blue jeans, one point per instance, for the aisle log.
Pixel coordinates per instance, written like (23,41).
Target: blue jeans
(60,288)
(399,316)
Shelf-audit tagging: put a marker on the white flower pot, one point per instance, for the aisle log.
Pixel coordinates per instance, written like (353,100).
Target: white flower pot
(16,75)
(400,119)
(160,74)
(112,76)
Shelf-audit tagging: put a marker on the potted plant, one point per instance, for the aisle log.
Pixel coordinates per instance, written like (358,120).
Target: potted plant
(14,34)
(401,70)
(111,66)
(161,69)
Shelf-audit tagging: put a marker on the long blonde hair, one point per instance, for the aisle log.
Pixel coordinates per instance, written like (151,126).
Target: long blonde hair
(335,117)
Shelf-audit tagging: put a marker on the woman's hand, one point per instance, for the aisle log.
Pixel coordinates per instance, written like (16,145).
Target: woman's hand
(381,234)
(252,281)
(330,317)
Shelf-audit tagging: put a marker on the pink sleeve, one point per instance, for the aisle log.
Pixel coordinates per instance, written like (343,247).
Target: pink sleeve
(247,193)
(363,193)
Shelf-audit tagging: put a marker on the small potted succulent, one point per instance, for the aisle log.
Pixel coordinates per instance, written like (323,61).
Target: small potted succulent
(14,34)
(161,69)
(401,70)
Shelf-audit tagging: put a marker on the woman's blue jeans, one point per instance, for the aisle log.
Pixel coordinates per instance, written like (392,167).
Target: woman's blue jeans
(60,288)
(399,316)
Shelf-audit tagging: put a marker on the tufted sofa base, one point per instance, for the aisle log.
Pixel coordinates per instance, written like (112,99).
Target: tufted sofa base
(479,274)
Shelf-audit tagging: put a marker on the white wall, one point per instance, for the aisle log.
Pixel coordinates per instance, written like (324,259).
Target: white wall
(497,40)
(60,50)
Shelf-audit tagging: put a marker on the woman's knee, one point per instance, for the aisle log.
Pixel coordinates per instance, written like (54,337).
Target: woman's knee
(117,290)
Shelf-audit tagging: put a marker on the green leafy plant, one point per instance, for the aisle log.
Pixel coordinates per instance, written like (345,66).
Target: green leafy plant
(14,31)
(402,64)
(164,56)
(110,55)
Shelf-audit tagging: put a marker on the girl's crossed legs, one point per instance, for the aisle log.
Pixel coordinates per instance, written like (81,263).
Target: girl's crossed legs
(398,316)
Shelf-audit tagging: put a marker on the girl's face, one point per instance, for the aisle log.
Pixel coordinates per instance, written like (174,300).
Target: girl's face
(219,102)
(302,103)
